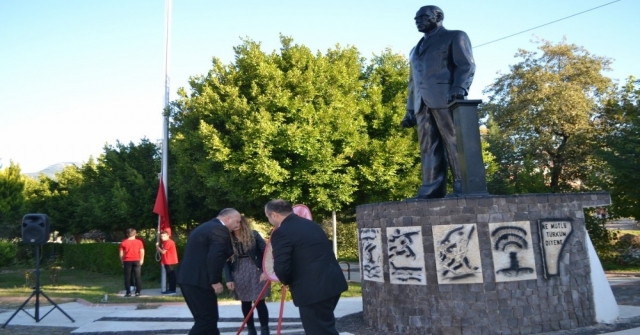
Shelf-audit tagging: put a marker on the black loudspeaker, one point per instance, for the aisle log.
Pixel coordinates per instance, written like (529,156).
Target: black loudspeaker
(35,228)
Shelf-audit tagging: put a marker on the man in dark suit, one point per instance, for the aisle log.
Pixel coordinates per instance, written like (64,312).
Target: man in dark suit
(303,259)
(200,272)
(442,69)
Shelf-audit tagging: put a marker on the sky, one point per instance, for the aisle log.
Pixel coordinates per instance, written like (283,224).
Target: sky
(76,75)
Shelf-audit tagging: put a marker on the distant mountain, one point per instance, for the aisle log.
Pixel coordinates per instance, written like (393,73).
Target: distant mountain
(51,170)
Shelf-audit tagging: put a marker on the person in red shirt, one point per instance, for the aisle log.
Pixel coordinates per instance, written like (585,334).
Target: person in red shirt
(131,257)
(168,258)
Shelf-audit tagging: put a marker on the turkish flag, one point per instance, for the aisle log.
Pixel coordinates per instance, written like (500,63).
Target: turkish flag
(161,208)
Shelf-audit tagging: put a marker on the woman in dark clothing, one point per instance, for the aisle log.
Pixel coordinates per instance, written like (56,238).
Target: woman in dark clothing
(243,273)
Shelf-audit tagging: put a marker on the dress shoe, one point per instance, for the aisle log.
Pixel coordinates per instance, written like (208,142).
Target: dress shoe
(457,187)
(457,190)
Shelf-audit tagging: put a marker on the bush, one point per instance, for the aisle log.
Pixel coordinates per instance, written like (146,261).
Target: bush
(95,257)
(50,253)
(276,293)
(347,241)
(103,258)
(601,237)
(8,253)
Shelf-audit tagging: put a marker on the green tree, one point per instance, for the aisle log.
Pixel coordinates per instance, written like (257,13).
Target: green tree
(58,197)
(121,188)
(620,126)
(389,165)
(11,199)
(541,118)
(92,197)
(319,129)
(110,194)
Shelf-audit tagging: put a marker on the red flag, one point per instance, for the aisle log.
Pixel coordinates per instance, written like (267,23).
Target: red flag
(161,208)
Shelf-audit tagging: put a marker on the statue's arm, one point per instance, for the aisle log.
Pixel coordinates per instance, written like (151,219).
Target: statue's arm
(409,119)
(464,66)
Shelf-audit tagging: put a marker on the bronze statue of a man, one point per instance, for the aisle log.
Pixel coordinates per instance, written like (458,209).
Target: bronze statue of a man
(442,69)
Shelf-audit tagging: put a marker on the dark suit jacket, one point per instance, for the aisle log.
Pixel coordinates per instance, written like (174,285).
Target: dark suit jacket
(208,248)
(304,260)
(444,61)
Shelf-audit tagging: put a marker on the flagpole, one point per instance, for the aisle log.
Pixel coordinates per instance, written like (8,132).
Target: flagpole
(165,139)
(165,130)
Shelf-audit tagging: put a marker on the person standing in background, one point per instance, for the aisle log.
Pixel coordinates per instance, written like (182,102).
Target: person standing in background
(169,259)
(244,276)
(133,275)
(132,258)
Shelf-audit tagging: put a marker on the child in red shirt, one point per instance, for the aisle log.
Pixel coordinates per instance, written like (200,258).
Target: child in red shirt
(168,258)
(131,257)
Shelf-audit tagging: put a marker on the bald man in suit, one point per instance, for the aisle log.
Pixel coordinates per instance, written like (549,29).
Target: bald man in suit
(200,272)
(442,69)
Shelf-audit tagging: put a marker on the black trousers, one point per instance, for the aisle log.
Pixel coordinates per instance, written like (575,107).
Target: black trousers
(129,268)
(203,304)
(170,270)
(263,313)
(438,150)
(318,318)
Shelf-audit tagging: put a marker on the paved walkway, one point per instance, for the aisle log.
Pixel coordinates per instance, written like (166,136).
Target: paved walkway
(166,319)
(175,318)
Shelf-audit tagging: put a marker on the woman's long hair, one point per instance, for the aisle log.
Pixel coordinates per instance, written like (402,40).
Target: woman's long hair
(244,235)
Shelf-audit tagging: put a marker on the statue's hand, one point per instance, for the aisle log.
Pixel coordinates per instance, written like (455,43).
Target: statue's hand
(409,120)
(456,93)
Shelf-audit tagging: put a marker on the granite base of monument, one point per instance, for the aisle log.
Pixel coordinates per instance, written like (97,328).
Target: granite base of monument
(477,265)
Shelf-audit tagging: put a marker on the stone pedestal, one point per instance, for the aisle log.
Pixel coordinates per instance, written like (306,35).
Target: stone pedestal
(477,265)
(465,116)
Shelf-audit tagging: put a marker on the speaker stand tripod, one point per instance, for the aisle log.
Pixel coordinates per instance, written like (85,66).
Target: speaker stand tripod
(37,292)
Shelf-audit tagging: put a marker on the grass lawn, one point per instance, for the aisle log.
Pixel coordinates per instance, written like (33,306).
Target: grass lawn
(63,285)
(69,284)
(617,267)
(624,232)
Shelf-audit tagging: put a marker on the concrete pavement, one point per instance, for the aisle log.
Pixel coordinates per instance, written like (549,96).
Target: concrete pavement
(175,318)
(170,318)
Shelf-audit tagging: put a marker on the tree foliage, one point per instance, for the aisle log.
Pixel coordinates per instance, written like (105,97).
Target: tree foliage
(110,194)
(57,197)
(126,186)
(541,119)
(620,148)
(12,184)
(318,129)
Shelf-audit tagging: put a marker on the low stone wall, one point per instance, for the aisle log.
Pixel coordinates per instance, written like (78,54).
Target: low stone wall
(477,265)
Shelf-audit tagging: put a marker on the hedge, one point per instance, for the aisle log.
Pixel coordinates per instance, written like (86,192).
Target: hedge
(103,258)
(25,254)
(347,241)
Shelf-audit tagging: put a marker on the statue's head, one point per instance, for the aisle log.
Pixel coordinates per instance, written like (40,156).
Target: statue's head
(429,18)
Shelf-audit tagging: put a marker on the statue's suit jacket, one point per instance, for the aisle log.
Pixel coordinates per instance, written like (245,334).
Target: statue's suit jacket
(444,61)
(303,259)
(208,248)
